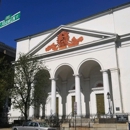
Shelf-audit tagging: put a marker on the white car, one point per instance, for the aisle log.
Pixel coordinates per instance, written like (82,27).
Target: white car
(33,126)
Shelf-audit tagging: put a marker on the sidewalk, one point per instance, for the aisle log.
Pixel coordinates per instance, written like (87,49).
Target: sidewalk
(5,128)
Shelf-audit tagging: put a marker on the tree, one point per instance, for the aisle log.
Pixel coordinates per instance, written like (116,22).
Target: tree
(6,81)
(41,84)
(26,68)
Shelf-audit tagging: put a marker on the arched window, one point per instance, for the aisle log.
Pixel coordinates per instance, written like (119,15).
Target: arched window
(99,85)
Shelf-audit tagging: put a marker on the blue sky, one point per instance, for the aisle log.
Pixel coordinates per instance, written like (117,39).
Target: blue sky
(41,15)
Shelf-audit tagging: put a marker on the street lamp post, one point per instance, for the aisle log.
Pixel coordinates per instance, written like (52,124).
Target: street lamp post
(109,97)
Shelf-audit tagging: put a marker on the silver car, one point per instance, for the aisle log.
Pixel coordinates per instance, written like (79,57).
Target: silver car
(33,126)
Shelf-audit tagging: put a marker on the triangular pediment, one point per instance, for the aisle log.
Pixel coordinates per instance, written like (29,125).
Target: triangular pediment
(65,37)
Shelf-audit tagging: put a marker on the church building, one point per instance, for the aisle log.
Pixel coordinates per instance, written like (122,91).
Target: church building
(88,62)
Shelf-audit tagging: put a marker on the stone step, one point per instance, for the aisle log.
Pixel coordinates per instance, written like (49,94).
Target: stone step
(81,119)
(81,124)
(113,126)
(80,128)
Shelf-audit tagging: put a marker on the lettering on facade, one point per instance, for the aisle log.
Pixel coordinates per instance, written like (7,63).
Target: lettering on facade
(64,42)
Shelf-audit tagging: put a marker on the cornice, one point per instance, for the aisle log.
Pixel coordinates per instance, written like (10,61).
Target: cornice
(125,37)
(105,70)
(111,10)
(124,40)
(114,69)
(97,89)
(100,14)
(53,79)
(102,35)
(79,49)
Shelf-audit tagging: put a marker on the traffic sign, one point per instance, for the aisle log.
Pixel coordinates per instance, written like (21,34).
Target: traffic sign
(10,19)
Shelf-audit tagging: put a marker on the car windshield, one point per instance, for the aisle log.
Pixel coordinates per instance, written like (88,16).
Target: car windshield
(43,124)
(26,123)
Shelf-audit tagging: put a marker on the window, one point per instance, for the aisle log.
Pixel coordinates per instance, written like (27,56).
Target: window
(99,85)
(35,124)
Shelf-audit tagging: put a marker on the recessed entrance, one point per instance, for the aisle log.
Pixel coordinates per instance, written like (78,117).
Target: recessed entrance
(57,105)
(73,100)
(100,103)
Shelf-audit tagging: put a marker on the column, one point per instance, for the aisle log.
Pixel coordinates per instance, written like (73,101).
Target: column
(53,96)
(78,94)
(106,89)
(31,108)
(64,110)
(87,97)
(116,89)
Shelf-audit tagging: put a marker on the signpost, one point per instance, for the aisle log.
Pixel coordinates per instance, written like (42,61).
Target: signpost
(10,19)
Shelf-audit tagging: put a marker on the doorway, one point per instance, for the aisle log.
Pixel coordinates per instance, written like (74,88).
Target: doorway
(73,101)
(100,103)
(57,105)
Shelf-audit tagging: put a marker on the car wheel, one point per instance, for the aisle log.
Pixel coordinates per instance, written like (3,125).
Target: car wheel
(15,129)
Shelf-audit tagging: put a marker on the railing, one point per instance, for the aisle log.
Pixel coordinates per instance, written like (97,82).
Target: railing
(111,118)
(74,120)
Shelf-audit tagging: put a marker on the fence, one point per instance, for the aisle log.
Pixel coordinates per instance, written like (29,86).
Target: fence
(72,121)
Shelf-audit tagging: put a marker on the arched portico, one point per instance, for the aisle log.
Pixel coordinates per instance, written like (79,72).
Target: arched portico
(63,77)
(95,87)
(39,91)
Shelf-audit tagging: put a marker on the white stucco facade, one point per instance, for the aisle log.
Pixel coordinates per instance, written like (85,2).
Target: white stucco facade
(99,64)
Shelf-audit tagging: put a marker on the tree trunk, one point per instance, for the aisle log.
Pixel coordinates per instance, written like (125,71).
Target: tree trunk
(25,116)
(26,112)
(43,111)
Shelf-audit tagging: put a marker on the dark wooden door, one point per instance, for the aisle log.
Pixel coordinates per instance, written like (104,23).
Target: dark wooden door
(73,100)
(100,103)
(57,105)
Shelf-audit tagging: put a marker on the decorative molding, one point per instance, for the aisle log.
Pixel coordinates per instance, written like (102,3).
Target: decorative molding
(73,53)
(97,89)
(81,49)
(53,79)
(79,75)
(71,29)
(64,42)
(50,93)
(105,70)
(71,91)
(114,69)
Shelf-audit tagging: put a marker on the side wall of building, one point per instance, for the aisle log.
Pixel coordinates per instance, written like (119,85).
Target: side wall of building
(124,66)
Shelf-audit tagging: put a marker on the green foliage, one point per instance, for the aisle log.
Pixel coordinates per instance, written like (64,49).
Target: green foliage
(40,87)
(6,79)
(26,69)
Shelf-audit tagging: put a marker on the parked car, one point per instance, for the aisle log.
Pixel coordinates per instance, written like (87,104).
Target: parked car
(33,126)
